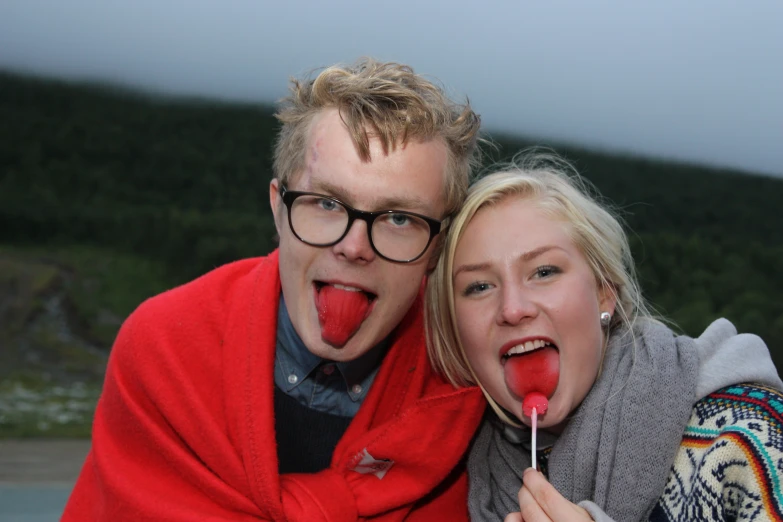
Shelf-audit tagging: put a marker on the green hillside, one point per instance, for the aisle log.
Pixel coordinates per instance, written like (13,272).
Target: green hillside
(109,196)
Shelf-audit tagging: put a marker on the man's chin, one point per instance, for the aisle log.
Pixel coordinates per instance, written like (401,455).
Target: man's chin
(337,340)
(347,351)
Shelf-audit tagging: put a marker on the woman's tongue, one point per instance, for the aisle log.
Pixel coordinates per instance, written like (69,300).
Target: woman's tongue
(340,313)
(536,371)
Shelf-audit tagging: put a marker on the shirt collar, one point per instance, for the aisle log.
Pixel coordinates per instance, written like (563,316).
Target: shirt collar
(295,359)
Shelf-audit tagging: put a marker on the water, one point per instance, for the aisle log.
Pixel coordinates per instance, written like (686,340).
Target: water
(33,502)
(37,476)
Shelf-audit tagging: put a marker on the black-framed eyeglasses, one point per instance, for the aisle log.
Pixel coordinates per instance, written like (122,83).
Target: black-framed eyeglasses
(395,235)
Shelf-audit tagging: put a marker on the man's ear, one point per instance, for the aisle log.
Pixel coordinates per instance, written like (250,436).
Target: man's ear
(433,262)
(276,202)
(437,250)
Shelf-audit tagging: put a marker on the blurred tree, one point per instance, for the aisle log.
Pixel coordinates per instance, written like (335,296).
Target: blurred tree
(186,182)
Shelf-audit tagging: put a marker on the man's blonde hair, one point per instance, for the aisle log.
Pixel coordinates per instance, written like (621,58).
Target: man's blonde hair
(387,101)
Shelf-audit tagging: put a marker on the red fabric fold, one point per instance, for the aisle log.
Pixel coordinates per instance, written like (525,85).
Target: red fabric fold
(304,497)
(184,429)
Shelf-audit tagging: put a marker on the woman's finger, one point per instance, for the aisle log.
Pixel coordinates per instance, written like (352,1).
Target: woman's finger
(513,517)
(555,506)
(529,508)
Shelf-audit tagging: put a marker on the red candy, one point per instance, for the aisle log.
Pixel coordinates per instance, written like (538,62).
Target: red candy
(340,313)
(533,377)
(537,401)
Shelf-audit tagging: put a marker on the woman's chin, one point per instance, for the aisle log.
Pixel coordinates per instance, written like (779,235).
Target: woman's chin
(554,420)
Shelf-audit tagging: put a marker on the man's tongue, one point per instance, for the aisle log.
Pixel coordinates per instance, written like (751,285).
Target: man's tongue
(340,313)
(536,371)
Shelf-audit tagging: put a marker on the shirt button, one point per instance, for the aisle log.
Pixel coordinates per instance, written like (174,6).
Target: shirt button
(292,379)
(328,369)
(356,388)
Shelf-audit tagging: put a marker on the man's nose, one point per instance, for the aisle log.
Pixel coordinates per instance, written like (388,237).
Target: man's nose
(355,246)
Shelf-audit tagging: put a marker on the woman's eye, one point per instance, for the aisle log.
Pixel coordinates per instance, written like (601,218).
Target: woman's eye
(546,271)
(475,288)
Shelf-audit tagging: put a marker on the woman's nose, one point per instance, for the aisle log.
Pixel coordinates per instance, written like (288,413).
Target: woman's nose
(516,306)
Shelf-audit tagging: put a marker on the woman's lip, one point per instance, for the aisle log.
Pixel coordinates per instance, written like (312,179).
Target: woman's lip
(516,342)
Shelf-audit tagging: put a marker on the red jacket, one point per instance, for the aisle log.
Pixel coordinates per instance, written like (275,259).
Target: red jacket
(184,429)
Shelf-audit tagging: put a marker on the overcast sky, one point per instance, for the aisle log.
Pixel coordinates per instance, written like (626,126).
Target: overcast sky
(697,80)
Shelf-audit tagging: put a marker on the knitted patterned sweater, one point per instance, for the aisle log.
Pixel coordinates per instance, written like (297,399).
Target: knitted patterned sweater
(730,462)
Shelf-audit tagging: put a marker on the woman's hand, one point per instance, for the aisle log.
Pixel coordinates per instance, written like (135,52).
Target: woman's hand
(539,501)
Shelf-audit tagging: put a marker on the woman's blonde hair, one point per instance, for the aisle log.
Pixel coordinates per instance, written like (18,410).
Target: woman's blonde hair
(557,188)
(387,101)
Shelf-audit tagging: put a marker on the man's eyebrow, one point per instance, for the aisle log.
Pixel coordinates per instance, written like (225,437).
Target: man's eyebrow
(388,203)
(413,202)
(527,256)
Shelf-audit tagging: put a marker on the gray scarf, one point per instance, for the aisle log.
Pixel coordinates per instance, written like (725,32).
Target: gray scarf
(619,446)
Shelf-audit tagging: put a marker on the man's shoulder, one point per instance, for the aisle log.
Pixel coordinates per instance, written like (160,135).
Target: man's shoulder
(190,323)
(210,294)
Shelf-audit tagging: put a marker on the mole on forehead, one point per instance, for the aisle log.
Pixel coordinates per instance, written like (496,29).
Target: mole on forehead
(305,180)
(311,159)
(314,151)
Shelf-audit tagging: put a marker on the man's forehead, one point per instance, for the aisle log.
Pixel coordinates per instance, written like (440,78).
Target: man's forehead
(330,121)
(396,179)
(328,127)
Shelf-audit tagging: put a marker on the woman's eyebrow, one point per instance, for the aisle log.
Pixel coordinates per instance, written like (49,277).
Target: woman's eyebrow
(527,256)
(476,267)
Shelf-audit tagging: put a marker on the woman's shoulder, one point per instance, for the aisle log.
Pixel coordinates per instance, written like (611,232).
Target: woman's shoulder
(730,460)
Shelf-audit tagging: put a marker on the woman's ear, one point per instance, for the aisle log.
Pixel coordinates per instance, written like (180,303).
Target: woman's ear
(607,298)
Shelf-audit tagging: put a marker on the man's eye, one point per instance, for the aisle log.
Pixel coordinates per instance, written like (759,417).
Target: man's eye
(400,219)
(327,204)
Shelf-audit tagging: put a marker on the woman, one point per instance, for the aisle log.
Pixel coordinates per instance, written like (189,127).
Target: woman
(642,424)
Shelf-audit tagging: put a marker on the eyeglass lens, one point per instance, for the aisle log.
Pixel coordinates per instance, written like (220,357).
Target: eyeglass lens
(322,221)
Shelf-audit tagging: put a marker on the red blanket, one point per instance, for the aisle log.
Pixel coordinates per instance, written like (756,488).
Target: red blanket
(184,429)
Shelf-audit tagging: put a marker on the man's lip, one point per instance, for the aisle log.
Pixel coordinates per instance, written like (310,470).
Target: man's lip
(320,283)
(516,342)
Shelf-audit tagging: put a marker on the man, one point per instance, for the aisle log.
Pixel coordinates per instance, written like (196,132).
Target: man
(296,386)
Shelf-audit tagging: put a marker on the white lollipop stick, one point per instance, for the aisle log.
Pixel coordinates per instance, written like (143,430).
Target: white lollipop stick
(534,418)
(534,403)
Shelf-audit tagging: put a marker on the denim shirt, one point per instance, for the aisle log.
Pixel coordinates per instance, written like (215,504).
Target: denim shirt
(332,387)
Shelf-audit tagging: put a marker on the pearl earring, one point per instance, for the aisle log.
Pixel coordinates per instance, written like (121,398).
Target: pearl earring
(605,318)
